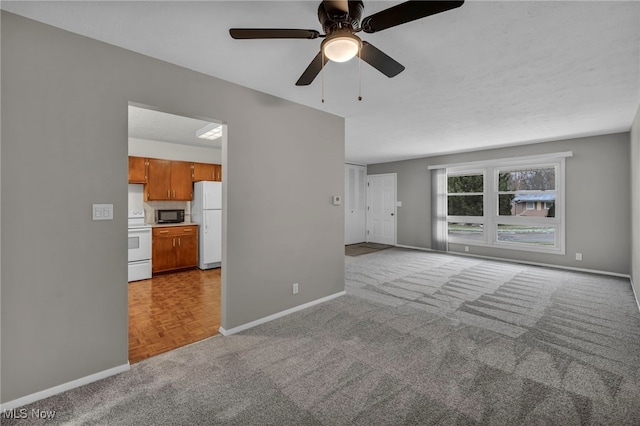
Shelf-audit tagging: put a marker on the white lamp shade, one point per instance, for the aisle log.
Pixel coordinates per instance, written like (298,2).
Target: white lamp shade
(341,48)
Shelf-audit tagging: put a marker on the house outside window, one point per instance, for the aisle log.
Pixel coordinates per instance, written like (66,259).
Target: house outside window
(514,203)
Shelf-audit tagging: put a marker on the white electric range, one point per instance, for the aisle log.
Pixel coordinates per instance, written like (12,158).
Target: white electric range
(139,246)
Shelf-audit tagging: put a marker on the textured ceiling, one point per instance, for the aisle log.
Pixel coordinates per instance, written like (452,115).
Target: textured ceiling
(160,126)
(488,74)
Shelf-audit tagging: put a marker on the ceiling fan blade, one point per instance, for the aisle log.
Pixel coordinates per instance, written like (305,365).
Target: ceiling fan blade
(406,12)
(261,33)
(380,60)
(312,70)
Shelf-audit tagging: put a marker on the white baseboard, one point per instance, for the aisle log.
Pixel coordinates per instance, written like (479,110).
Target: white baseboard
(633,289)
(420,248)
(526,262)
(10,405)
(252,324)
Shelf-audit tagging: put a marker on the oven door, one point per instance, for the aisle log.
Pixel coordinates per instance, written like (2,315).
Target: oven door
(139,244)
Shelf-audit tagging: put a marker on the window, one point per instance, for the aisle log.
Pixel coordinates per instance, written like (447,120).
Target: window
(465,205)
(515,203)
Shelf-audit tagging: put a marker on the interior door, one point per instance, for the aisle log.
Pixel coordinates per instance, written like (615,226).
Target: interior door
(381,209)
(355,229)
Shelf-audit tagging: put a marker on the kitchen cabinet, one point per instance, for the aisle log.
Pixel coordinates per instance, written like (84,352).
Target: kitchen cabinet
(217,173)
(205,171)
(168,180)
(137,170)
(174,247)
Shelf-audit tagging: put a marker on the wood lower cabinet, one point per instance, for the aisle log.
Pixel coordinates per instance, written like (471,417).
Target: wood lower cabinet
(174,247)
(168,180)
(137,170)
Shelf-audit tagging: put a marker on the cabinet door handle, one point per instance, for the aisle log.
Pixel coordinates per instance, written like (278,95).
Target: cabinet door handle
(174,193)
(164,232)
(174,242)
(168,194)
(179,241)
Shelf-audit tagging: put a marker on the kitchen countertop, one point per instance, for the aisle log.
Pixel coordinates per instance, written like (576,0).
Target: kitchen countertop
(164,225)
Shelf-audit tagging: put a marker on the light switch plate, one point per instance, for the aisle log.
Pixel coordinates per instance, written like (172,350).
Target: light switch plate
(103,212)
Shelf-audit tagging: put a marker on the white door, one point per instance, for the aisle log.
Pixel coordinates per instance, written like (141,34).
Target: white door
(381,209)
(355,213)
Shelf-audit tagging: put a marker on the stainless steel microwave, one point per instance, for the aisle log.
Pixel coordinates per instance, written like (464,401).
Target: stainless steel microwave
(170,216)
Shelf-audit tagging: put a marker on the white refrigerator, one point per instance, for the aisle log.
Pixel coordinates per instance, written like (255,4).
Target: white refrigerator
(206,211)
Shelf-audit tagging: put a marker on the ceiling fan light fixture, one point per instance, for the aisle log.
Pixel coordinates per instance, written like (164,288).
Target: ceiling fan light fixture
(342,47)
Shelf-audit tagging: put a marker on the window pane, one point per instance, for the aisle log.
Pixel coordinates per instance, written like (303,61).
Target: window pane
(531,179)
(536,235)
(464,205)
(466,183)
(540,204)
(469,231)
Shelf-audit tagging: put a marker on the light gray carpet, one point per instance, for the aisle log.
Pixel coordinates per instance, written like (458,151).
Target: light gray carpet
(420,338)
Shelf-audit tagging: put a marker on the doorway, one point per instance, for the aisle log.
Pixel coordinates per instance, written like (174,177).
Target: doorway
(381,209)
(179,304)
(355,226)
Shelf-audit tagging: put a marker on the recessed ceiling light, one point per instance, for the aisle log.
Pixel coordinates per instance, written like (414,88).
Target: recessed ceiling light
(211,131)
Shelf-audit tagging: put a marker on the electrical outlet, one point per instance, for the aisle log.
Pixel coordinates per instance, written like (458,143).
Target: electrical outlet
(295,288)
(578,256)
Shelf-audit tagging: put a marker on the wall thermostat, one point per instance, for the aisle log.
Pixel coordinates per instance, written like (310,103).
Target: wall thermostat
(337,200)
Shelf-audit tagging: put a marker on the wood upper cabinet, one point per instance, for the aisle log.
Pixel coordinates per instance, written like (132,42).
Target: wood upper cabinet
(168,180)
(181,183)
(137,170)
(174,247)
(205,171)
(217,173)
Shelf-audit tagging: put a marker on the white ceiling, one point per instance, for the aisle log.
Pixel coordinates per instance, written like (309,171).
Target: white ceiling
(161,126)
(488,74)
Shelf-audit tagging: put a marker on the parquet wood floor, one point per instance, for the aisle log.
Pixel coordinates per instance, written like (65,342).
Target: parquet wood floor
(172,310)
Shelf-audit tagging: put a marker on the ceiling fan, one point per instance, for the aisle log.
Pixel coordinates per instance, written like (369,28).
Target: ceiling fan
(341,20)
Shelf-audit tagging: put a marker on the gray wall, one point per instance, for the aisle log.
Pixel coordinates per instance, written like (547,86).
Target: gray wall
(64,147)
(597,197)
(635,204)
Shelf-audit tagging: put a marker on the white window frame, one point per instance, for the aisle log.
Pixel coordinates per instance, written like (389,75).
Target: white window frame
(470,219)
(491,219)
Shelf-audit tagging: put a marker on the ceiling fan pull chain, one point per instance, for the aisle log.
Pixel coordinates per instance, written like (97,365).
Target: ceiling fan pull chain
(322,76)
(360,74)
